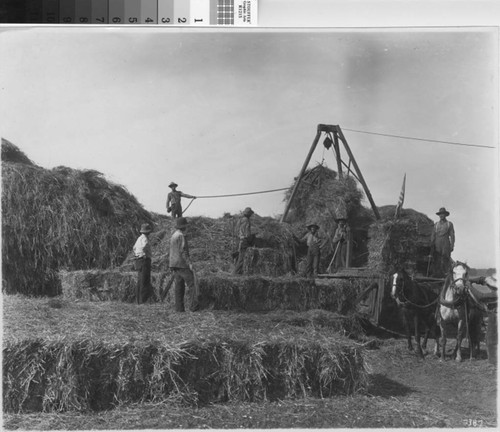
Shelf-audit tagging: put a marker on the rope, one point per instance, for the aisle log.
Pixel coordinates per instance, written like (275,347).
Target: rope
(242,194)
(420,139)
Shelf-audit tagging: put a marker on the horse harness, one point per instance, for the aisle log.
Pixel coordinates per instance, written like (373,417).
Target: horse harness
(407,302)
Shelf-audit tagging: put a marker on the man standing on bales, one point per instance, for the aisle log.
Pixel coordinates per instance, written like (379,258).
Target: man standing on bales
(314,244)
(341,240)
(142,263)
(246,239)
(442,244)
(180,264)
(174,200)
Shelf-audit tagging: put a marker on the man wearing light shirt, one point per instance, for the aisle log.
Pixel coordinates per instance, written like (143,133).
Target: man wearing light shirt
(142,255)
(180,264)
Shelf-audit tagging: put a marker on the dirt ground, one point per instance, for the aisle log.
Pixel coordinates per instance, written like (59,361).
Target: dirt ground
(405,392)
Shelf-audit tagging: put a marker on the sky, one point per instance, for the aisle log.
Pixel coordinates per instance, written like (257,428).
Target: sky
(236,111)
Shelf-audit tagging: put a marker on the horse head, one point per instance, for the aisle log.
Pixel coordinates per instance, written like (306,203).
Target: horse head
(399,279)
(460,275)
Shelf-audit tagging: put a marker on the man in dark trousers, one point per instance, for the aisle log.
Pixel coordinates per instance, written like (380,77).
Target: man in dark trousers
(142,263)
(246,238)
(314,243)
(174,200)
(442,244)
(340,241)
(180,264)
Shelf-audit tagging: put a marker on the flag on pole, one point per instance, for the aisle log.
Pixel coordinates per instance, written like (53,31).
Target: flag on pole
(401,199)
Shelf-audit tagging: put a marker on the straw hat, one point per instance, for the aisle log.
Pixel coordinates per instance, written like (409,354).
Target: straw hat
(311,224)
(173,184)
(181,222)
(145,228)
(442,210)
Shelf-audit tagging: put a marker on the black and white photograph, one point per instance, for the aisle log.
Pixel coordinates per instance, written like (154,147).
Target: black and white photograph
(249,228)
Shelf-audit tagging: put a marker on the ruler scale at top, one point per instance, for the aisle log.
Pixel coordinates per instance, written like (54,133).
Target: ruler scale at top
(137,12)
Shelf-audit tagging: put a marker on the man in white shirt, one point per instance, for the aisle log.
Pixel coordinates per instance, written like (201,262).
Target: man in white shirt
(180,264)
(142,256)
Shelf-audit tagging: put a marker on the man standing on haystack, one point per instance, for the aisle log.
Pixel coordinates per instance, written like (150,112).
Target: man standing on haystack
(180,264)
(340,241)
(246,239)
(142,263)
(174,200)
(314,243)
(442,244)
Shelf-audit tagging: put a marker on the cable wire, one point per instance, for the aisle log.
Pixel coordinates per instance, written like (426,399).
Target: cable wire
(242,194)
(420,139)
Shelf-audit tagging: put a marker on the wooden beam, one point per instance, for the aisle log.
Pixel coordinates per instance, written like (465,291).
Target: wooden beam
(358,172)
(299,178)
(337,154)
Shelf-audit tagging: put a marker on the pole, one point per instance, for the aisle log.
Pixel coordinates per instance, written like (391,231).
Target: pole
(358,172)
(337,154)
(299,178)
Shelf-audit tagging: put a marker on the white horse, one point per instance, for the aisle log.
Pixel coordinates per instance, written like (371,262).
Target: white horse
(452,307)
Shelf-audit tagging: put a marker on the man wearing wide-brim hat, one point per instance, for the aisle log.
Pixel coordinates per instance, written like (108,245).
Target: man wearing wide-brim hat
(181,266)
(174,200)
(246,239)
(314,244)
(442,244)
(142,263)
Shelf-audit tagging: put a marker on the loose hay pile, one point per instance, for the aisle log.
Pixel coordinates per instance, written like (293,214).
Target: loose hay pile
(322,197)
(141,354)
(402,242)
(213,241)
(60,218)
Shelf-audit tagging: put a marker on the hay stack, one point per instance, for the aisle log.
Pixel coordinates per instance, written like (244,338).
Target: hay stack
(83,375)
(400,242)
(212,242)
(60,218)
(322,197)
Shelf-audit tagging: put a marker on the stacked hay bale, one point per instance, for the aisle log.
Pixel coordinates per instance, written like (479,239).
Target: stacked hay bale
(402,242)
(60,218)
(112,354)
(323,197)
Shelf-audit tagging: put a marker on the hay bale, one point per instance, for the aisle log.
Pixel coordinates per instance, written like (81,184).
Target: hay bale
(83,375)
(266,261)
(106,285)
(62,219)
(224,291)
(402,242)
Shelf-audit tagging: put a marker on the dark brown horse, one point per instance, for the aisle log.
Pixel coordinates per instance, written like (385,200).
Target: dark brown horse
(418,305)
